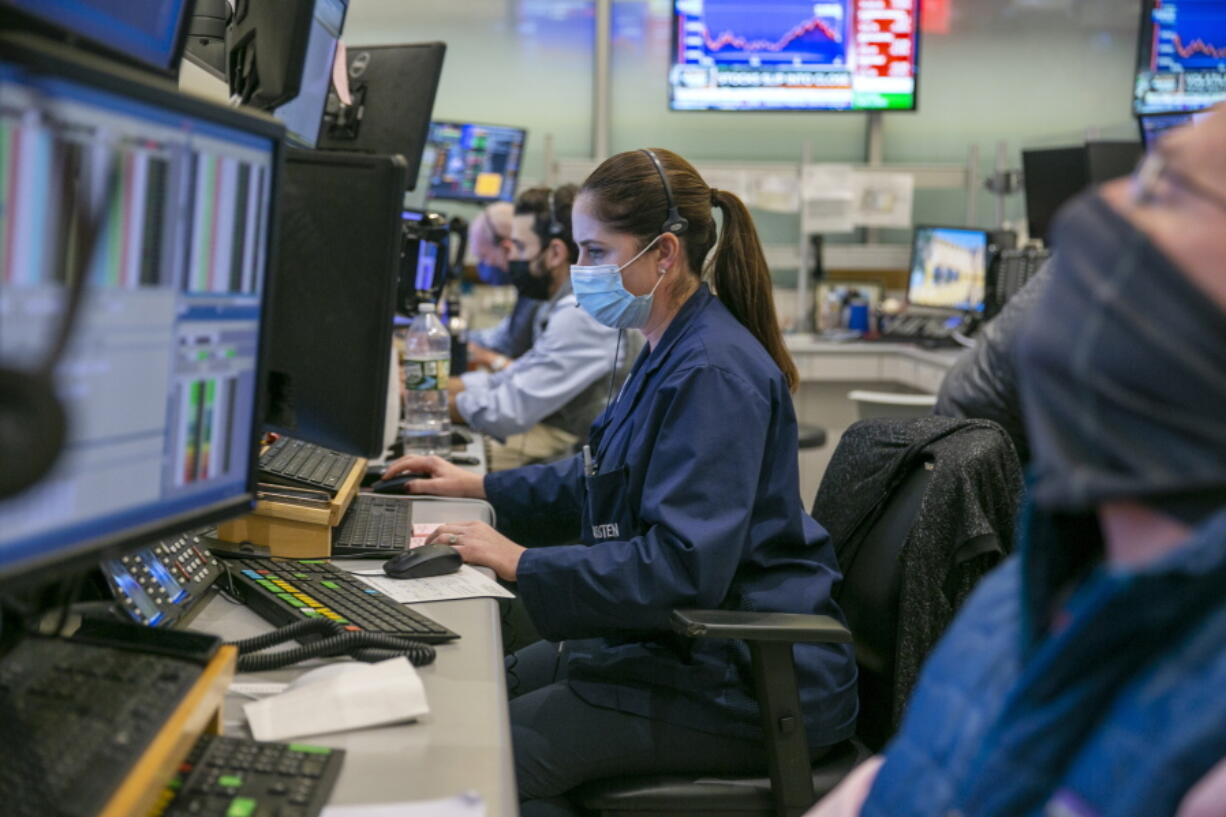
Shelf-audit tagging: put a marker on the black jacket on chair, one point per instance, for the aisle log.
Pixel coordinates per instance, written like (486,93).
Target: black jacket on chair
(963,528)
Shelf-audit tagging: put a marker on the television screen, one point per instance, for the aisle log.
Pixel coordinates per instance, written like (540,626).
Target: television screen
(1181,56)
(470,162)
(786,55)
(949,268)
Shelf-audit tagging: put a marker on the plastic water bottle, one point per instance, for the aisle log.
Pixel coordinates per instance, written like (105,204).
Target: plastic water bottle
(427,352)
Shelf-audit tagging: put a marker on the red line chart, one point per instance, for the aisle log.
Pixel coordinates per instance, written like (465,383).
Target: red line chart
(1197,46)
(730,39)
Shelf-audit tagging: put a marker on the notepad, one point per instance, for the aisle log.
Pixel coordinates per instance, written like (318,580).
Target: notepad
(467,583)
(468,804)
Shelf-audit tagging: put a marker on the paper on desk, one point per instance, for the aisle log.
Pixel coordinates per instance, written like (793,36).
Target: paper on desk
(362,696)
(421,531)
(468,583)
(469,804)
(883,199)
(253,689)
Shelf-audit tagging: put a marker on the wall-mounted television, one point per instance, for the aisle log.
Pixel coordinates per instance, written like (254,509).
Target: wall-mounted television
(791,55)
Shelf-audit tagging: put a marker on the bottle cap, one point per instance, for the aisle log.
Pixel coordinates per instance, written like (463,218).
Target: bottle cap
(425,306)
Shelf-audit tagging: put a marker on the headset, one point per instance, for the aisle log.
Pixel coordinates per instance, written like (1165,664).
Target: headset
(33,421)
(674,222)
(556,228)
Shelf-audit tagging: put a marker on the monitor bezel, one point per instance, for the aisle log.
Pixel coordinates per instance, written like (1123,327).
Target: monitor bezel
(45,56)
(48,28)
(523,151)
(951,310)
(915,96)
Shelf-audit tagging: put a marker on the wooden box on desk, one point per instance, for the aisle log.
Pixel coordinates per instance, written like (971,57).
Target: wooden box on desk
(291,530)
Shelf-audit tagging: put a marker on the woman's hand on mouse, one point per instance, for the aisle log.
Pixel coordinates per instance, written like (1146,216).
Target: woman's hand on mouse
(446,479)
(479,544)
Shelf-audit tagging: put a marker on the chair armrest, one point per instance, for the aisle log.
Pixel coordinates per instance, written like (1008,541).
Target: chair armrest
(750,626)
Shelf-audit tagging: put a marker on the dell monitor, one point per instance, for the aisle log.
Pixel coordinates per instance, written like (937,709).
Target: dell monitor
(949,269)
(471,162)
(832,55)
(393,89)
(147,32)
(303,114)
(1181,56)
(333,298)
(160,380)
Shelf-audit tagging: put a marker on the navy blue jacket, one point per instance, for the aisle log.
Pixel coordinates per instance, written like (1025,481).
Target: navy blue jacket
(695,504)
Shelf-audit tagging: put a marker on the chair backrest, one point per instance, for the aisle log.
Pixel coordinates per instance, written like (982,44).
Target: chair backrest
(869,597)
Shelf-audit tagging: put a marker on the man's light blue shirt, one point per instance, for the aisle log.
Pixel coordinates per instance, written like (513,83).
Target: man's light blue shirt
(562,380)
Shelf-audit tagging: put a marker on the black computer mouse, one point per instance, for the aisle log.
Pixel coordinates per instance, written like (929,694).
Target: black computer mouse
(396,485)
(427,560)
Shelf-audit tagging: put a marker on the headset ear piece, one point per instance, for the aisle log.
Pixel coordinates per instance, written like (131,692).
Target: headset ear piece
(33,428)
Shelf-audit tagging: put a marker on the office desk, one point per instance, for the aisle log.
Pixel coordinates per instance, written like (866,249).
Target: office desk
(828,371)
(463,744)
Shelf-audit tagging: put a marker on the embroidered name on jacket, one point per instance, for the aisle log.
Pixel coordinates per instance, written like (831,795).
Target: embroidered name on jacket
(609,531)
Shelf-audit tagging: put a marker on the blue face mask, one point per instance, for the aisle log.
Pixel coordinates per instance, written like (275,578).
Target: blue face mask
(604,296)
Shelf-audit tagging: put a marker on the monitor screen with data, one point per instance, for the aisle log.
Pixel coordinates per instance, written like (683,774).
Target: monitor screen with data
(470,162)
(790,55)
(160,378)
(949,269)
(1181,56)
(148,31)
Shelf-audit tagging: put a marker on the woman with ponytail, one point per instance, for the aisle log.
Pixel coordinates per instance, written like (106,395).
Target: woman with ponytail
(688,497)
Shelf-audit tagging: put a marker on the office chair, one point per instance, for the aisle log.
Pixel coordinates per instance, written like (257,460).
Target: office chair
(869,598)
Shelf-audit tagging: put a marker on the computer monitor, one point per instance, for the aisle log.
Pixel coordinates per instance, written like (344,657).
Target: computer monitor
(266,49)
(472,162)
(303,114)
(148,32)
(333,298)
(1181,56)
(832,55)
(1052,176)
(949,269)
(160,381)
(393,88)
(426,258)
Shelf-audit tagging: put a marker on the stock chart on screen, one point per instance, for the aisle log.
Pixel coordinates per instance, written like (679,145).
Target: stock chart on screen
(1181,58)
(850,55)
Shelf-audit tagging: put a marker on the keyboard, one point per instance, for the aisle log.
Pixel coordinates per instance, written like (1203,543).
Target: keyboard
(286,591)
(375,526)
(236,777)
(74,720)
(305,465)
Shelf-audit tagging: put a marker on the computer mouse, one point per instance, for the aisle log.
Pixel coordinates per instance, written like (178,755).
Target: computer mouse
(397,484)
(427,560)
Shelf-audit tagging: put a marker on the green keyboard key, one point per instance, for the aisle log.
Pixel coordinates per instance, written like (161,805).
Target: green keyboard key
(309,750)
(241,807)
(230,781)
(330,585)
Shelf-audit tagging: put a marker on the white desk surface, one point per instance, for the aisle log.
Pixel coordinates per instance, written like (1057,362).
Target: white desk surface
(463,744)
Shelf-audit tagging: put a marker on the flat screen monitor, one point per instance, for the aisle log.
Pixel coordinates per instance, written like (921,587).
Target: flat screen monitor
(333,298)
(160,380)
(428,261)
(266,49)
(791,55)
(471,162)
(303,114)
(949,269)
(393,88)
(1181,56)
(149,32)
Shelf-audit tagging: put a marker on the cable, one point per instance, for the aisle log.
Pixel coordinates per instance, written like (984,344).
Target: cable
(364,646)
